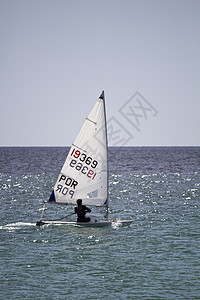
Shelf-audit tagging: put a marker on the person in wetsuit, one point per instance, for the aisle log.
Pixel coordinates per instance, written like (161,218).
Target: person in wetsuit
(81,211)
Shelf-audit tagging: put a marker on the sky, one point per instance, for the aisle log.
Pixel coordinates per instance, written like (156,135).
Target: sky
(56,56)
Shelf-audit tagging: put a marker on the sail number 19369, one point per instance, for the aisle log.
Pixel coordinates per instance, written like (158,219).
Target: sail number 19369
(85,165)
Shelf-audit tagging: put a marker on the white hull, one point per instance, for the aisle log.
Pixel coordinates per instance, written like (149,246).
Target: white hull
(85,224)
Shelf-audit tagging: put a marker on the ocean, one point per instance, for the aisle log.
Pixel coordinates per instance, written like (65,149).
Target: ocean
(156,257)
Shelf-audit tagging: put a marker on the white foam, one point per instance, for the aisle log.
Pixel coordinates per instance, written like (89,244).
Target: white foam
(17,225)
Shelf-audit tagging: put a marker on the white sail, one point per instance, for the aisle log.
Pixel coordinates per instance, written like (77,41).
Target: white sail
(84,174)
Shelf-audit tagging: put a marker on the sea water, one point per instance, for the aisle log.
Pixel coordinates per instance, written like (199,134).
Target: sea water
(156,257)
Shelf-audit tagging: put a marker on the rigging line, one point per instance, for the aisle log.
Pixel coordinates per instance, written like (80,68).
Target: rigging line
(64,217)
(43,209)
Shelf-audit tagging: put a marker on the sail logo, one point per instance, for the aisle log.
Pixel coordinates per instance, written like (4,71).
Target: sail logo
(93,194)
(66,186)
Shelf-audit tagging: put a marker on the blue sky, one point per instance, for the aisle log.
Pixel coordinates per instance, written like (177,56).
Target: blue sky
(57,56)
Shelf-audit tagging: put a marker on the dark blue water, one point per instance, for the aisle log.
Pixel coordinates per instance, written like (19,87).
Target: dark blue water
(38,160)
(157,257)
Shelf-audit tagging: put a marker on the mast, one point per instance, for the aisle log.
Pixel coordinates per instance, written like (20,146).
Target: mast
(102,96)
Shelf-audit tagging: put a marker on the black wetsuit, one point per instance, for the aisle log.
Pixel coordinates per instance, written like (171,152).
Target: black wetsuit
(81,211)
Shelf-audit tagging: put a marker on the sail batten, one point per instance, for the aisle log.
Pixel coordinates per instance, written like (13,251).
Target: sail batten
(85,171)
(79,148)
(91,121)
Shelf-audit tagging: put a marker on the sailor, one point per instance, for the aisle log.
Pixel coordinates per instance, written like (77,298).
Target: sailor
(81,211)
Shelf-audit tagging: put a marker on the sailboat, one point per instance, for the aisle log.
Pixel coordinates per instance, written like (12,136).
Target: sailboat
(84,174)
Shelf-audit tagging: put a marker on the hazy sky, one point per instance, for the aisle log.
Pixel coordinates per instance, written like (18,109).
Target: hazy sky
(56,56)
